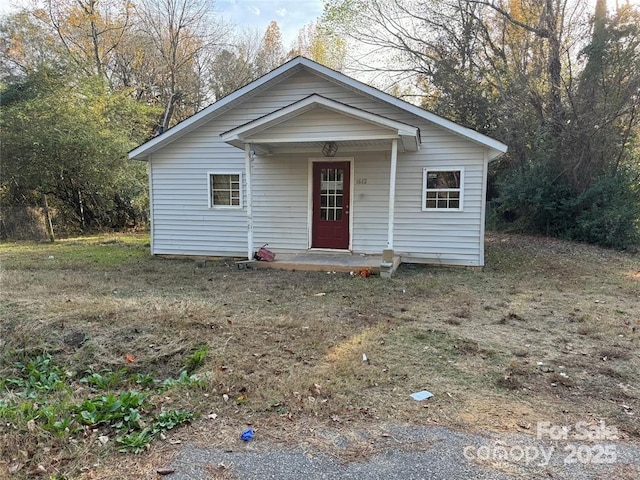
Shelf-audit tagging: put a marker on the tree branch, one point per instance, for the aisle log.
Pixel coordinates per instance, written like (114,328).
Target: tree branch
(543,33)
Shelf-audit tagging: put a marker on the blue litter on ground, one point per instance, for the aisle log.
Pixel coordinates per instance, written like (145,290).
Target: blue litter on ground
(247,434)
(423,395)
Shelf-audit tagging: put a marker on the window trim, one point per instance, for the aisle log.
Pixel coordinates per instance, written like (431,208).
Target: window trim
(425,172)
(210,190)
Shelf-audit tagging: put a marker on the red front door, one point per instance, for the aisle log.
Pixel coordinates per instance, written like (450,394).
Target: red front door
(331,184)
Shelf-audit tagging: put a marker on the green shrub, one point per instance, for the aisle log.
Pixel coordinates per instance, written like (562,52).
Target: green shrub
(608,213)
(540,199)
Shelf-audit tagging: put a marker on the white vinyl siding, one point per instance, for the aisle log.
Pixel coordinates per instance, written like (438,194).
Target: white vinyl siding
(321,124)
(183,223)
(280,202)
(447,237)
(370,202)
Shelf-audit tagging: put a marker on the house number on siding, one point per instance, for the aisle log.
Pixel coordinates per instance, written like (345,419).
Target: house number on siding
(361,181)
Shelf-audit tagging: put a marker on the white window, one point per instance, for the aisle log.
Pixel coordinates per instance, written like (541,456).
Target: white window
(442,189)
(225,189)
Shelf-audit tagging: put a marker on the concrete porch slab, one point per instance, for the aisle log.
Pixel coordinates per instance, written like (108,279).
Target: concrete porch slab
(326,262)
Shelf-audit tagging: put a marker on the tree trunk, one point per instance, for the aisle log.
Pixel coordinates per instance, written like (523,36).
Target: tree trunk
(47,217)
(554,70)
(83,223)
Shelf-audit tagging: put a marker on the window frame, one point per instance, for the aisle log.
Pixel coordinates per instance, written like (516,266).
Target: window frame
(425,173)
(210,174)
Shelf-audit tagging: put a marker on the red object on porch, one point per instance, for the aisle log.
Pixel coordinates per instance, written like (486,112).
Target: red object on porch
(265,255)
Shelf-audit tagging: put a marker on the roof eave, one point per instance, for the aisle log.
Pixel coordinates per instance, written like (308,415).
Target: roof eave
(142,152)
(453,127)
(309,103)
(494,153)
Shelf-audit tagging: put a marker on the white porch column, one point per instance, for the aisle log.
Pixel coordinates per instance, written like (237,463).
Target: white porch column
(247,177)
(392,191)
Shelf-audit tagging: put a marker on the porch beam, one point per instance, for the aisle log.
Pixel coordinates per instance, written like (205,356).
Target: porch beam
(392,190)
(327,138)
(249,194)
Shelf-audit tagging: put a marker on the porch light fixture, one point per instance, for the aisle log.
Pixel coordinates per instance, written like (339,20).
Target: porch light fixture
(330,149)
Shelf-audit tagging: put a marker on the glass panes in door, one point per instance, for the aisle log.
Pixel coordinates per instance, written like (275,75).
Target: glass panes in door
(331,194)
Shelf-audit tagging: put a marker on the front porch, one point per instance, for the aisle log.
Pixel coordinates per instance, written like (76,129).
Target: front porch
(335,262)
(349,207)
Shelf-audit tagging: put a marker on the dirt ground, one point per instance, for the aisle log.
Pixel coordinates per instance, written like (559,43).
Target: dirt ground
(547,331)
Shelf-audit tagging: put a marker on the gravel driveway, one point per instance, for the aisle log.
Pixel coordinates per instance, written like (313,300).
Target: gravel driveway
(412,453)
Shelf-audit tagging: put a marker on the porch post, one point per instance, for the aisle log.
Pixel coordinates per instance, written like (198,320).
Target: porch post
(247,176)
(392,191)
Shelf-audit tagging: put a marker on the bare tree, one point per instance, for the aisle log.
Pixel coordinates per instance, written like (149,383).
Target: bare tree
(90,30)
(236,64)
(271,53)
(319,43)
(471,55)
(185,34)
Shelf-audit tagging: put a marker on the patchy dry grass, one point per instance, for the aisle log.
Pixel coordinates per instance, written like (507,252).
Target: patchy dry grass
(288,362)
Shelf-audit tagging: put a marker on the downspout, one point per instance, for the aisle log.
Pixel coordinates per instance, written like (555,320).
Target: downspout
(483,207)
(392,191)
(247,174)
(151,205)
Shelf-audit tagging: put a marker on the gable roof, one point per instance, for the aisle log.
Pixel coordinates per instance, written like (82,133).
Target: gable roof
(408,134)
(287,69)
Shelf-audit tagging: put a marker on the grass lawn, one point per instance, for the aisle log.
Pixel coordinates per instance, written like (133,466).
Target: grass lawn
(105,348)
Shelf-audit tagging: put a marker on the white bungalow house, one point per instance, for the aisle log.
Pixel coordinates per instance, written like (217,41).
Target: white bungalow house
(308,159)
